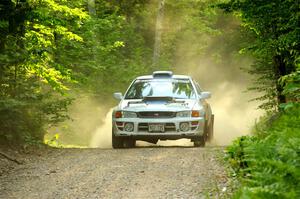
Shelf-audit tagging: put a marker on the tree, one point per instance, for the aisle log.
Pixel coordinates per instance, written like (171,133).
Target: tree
(275,27)
(30,30)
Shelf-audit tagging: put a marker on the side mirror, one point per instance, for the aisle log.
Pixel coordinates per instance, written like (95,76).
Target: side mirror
(205,95)
(118,96)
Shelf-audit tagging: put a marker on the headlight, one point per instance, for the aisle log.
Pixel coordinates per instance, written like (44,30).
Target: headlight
(184,126)
(183,114)
(129,127)
(129,114)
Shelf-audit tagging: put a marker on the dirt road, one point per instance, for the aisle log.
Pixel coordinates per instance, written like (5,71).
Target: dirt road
(146,172)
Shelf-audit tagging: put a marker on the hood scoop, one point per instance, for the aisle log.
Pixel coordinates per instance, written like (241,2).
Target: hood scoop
(162,99)
(158,100)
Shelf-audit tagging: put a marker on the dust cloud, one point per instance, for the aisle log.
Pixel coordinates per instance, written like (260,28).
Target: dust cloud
(230,103)
(214,61)
(89,124)
(234,114)
(101,138)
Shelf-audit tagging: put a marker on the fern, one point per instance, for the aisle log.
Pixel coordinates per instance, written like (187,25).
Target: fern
(269,162)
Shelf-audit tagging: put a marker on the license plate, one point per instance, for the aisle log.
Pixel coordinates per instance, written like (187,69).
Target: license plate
(156,128)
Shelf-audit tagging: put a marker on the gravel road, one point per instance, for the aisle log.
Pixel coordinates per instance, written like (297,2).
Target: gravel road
(145,172)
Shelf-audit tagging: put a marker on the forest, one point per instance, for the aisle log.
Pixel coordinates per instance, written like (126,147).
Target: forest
(54,52)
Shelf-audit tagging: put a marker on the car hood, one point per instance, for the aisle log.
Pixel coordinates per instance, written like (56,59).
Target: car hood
(139,105)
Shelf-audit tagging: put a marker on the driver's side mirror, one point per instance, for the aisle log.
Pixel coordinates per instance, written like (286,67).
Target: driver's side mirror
(118,96)
(205,95)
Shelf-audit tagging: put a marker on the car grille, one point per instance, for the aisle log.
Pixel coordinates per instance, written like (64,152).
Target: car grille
(156,114)
(168,127)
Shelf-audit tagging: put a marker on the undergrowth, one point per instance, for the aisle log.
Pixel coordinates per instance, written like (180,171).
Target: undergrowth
(268,162)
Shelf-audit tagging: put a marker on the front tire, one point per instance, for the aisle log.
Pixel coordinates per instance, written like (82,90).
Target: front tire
(129,143)
(210,133)
(117,142)
(199,142)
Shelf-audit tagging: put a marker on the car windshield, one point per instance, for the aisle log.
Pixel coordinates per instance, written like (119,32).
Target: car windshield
(175,88)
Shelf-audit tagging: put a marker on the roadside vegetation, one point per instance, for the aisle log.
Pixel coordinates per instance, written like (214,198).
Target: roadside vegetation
(267,162)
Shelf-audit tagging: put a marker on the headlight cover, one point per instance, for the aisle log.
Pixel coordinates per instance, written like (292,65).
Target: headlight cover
(129,127)
(184,126)
(184,114)
(128,114)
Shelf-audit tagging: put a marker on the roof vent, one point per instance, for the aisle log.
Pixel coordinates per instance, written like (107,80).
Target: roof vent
(158,74)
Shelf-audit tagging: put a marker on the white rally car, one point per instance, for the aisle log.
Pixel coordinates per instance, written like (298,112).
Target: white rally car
(162,106)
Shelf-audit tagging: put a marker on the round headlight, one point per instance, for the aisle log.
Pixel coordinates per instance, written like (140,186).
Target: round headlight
(184,126)
(129,127)
(129,114)
(183,114)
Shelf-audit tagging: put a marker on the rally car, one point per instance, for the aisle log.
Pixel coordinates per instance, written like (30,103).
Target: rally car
(162,106)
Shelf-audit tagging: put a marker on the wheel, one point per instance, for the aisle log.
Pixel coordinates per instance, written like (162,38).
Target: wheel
(210,133)
(129,143)
(199,142)
(206,131)
(117,142)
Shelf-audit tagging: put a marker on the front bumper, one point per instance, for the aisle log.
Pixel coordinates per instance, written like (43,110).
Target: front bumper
(172,128)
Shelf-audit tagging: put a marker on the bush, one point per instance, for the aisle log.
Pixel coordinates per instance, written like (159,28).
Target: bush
(25,121)
(269,162)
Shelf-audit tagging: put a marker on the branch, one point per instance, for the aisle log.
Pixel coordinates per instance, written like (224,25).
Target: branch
(10,158)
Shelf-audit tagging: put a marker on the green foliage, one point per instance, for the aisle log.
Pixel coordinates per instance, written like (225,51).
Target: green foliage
(28,69)
(275,29)
(236,153)
(291,84)
(113,50)
(45,27)
(186,22)
(269,163)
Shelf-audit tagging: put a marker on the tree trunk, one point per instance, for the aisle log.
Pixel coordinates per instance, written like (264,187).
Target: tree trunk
(12,26)
(280,71)
(158,32)
(92,7)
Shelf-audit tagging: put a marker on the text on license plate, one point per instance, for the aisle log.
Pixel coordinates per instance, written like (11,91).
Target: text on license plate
(156,128)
